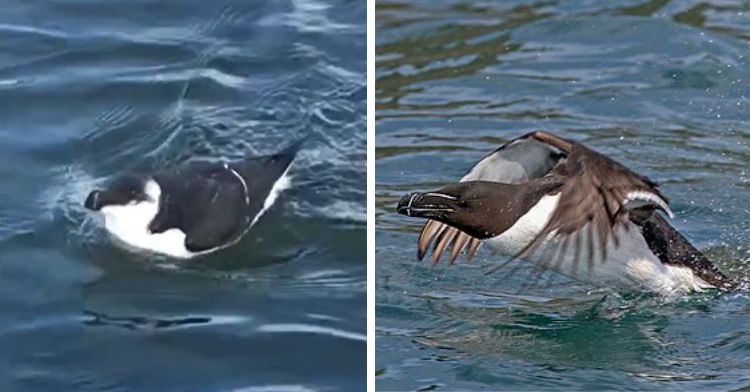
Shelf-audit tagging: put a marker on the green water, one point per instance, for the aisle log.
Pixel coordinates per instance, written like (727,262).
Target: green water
(662,87)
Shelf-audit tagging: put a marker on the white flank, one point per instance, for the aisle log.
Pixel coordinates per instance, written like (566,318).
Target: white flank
(630,264)
(665,279)
(279,186)
(129,223)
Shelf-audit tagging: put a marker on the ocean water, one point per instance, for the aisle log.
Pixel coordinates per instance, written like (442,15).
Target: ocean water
(90,89)
(661,86)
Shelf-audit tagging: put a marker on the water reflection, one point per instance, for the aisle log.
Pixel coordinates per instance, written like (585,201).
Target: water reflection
(96,319)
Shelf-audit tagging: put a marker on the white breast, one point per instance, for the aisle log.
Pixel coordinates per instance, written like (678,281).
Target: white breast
(630,264)
(129,224)
(526,228)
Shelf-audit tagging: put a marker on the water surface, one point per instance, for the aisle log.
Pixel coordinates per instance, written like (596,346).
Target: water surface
(92,89)
(659,85)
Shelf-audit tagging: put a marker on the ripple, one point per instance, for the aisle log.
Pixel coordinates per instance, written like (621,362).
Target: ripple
(308,16)
(276,388)
(311,329)
(148,87)
(455,81)
(16,28)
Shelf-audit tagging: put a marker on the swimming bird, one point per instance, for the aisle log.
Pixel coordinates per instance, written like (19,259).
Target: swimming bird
(567,208)
(195,208)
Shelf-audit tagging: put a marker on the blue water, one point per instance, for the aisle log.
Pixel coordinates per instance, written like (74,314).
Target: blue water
(90,89)
(660,85)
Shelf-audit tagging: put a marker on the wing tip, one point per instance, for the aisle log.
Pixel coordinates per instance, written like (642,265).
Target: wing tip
(648,197)
(443,238)
(551,140)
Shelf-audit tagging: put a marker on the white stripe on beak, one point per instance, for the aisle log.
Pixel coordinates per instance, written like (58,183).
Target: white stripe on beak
(442,195)
(408,207)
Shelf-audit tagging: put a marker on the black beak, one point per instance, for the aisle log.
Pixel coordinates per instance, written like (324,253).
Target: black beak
(433,205)
(94,201)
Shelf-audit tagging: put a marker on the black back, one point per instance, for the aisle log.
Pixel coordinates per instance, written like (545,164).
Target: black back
(674,249)
(207,201)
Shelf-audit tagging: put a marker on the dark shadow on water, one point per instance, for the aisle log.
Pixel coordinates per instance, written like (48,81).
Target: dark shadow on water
(96,319)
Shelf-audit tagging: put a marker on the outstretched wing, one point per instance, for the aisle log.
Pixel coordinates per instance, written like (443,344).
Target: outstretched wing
(596,200)
(519,160)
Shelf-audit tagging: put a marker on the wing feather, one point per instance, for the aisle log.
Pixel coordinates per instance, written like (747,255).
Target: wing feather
(440,245)
(458,244)
(595,201)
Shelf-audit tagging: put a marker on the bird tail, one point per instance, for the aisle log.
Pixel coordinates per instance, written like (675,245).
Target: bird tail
(265,170)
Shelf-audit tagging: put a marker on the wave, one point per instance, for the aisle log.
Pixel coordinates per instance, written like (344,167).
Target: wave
(276,388)
(314,329)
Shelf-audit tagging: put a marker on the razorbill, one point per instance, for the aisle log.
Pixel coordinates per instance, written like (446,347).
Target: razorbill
(195,208)
(567,208)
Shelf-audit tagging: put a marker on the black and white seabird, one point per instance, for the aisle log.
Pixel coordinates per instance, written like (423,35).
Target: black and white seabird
(193,209)
(555,202)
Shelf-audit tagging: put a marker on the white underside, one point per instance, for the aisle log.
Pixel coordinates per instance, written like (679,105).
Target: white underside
(129,223)
(630,264)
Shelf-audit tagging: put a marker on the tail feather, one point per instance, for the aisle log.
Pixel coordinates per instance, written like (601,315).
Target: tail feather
(277,162)
(262,172)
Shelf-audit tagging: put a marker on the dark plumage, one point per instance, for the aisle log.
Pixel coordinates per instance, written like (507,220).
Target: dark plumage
(193,208)
(599,201)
